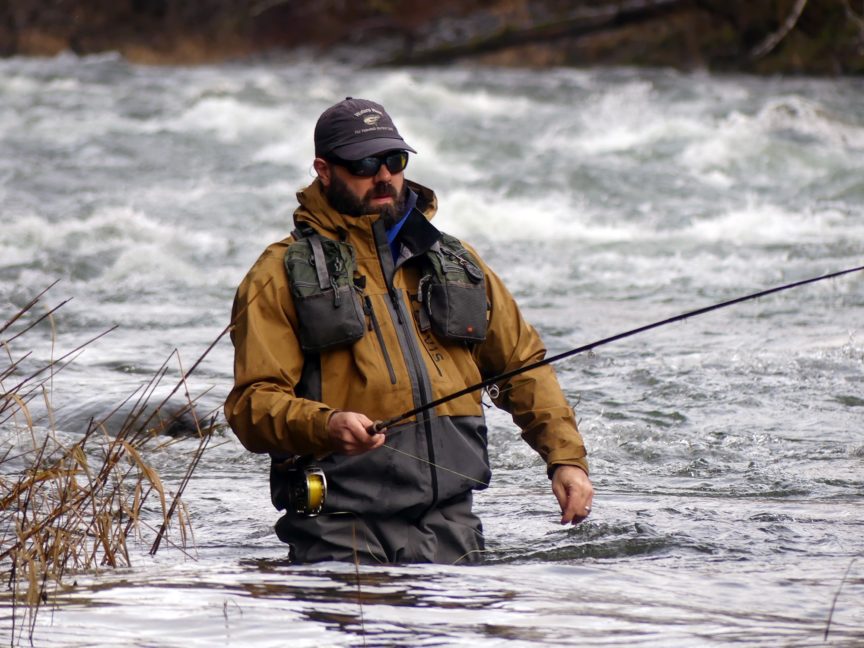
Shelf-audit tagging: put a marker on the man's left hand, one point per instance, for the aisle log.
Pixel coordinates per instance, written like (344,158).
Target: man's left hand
(575,493)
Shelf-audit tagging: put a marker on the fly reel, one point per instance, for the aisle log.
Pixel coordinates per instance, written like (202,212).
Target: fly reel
(307,490)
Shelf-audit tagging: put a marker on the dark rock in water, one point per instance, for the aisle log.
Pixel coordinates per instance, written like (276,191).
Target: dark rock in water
(179,424)
(174,418)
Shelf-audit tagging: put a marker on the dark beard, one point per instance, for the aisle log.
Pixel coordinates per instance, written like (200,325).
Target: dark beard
(342,200)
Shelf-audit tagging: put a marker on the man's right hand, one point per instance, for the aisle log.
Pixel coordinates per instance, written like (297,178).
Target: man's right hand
(349,433)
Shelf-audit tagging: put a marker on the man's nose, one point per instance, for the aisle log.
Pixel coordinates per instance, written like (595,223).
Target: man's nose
(383,174)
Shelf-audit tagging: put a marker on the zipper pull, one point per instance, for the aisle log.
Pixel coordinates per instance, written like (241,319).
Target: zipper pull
(394,299)
(337,299)
(367,309)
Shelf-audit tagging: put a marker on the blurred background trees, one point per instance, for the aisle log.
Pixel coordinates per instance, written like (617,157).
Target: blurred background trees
(761,36)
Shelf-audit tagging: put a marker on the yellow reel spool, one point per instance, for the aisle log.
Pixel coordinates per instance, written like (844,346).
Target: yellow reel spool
(316,490)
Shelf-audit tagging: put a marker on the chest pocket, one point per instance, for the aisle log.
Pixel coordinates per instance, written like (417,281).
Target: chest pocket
(321,274)
(452,292)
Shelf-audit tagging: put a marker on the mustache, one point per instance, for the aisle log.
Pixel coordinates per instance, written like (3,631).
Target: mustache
(382,190)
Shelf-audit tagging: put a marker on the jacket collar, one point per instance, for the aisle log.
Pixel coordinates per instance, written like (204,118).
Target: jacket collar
(315,210)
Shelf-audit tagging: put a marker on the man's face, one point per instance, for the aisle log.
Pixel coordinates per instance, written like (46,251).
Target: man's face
(384,192)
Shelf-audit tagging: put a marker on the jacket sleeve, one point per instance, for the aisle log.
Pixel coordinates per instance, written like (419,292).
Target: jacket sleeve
(262,408)
(534,399)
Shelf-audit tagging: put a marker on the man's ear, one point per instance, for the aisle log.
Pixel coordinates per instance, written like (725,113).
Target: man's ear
(322,168)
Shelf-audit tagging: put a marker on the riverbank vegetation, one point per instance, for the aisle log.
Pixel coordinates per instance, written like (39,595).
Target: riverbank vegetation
(766,37)
(70,500)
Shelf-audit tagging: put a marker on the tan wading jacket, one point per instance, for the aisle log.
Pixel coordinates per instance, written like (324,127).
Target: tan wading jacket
(282,399)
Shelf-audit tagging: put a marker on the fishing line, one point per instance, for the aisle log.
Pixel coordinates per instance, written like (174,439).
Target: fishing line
(432,463)
(836,596)
(307,482)
(380,425)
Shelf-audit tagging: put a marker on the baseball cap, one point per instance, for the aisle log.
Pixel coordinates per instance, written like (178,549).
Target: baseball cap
(356,128)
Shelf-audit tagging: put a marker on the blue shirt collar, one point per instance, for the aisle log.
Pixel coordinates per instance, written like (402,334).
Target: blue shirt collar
(393,231)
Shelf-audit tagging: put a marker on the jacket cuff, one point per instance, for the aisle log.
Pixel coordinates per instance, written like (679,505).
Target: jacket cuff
(320,440)
(579,463)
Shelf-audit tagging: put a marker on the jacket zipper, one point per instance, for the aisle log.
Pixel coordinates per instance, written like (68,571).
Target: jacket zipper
(418,365)
(405,335)
(374,326)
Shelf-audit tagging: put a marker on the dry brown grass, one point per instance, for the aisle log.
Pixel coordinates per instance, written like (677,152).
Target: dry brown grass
(70,501)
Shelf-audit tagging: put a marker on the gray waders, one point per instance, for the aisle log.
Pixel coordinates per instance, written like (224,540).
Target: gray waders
(448,534)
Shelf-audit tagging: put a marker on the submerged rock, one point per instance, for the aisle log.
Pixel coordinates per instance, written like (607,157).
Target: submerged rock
(174,418)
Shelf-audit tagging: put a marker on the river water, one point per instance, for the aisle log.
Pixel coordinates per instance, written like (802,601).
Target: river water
(727,450)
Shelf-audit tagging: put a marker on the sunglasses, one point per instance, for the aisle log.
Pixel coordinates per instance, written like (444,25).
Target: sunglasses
(369,166)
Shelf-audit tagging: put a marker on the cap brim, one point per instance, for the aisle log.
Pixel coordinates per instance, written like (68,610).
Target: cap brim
(359,150)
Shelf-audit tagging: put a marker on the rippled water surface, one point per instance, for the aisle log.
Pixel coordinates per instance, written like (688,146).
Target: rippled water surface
(727,450)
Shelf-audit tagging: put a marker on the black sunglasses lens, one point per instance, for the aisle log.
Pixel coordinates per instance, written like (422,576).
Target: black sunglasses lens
(369,166)
(366,167)
(396,162)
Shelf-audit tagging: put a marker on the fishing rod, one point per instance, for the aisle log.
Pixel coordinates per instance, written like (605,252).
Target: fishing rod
(307,489)
(380,425)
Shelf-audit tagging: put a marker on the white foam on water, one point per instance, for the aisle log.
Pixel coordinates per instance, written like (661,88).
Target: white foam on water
(497,217)
(289,149)
(76,126)
(128,243)
(740,137)
(109,226)
(230,119)
(805,116)
(17,88)
(452,100)
(151,264)
(617,119)
(761,224)
(492,215)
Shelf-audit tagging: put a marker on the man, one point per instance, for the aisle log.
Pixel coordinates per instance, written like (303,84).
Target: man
(367,311)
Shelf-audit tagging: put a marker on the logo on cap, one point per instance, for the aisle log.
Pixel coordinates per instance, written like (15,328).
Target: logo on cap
(356,128)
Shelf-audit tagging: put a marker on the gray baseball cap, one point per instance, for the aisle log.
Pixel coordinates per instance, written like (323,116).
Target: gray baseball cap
(356,128)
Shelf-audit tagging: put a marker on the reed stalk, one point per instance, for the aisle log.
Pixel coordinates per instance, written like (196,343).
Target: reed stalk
(71,506)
